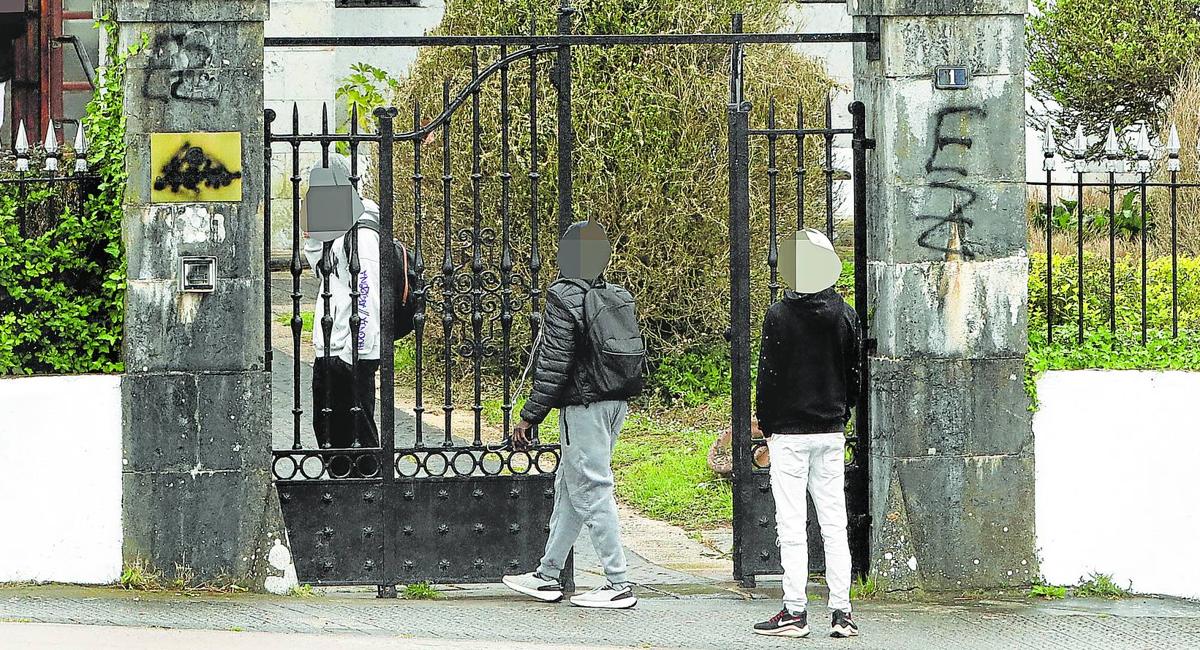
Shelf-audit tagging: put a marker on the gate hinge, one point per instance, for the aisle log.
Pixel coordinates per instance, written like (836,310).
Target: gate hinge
(874,47)
(862,144)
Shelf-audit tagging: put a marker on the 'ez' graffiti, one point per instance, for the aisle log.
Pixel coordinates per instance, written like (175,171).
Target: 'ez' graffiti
(190,168)
(180,69)
(951,227)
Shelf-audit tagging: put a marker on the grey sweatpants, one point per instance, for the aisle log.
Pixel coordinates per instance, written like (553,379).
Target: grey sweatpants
(583,489)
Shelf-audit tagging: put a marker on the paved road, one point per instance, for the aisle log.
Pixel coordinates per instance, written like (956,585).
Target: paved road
(711,619)
(42,636)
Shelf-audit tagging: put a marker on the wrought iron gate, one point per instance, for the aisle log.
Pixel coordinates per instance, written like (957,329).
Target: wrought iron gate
(756,551)
(425,504)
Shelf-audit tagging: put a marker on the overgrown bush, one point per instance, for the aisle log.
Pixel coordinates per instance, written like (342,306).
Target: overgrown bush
(1096,61)
(650,160)
(1184,113)
(1097,296)
(62,286)
(1102,348)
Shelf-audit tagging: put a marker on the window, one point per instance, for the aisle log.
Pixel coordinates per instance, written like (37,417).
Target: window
(73,53)
(48,56)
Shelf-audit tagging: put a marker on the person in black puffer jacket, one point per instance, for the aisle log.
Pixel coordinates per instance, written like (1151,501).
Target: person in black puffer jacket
(589,419)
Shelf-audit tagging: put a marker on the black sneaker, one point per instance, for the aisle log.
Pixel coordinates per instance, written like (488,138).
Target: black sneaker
(784,624)
(843,626)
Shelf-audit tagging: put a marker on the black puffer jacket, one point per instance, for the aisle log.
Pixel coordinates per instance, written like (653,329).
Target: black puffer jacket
(556,382)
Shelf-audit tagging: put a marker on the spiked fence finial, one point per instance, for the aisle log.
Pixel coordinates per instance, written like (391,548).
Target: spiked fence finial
(1048,148)
(1080,144)
(22,148)
(81,163)
(1173,150)
(1143,150)
(1112,146)
(51,147)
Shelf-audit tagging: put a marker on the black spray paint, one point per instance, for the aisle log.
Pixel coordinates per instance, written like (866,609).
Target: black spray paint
(185,59)
(964,197)
(190,168)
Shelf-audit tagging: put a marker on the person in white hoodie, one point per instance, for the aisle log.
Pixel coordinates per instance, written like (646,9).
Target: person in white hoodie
(343,387)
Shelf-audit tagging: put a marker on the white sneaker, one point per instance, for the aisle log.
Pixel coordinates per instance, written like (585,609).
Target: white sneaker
(535,585)
(606,597)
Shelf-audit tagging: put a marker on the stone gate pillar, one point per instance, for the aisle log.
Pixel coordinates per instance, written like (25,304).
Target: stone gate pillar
(951,443)
(196,397)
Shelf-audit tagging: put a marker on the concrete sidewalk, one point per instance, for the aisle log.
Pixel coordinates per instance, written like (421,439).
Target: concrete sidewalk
(692,616)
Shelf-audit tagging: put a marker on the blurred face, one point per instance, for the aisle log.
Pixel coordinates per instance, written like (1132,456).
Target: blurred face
(584,251)
(807,262)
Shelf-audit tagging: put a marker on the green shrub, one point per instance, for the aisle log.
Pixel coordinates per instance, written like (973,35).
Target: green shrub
(1102,348)
(62,288)
(1100,585)
(1127,217)
(1097,297)
(1098,61)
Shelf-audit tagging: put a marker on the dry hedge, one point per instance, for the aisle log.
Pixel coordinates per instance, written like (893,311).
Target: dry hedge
(650,164)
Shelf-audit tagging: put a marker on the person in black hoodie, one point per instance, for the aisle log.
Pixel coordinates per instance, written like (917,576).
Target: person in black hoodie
(808,379)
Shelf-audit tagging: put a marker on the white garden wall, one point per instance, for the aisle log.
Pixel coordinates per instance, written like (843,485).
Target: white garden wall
(60,444)
(1118,486)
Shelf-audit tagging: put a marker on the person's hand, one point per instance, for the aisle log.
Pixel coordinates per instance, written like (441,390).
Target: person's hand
(520,435)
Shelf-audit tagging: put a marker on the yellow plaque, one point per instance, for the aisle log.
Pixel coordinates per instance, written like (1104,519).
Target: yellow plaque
(196,167)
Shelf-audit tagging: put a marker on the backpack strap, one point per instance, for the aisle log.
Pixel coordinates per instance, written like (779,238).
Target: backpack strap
(404,272)
(353,233)
(374,227)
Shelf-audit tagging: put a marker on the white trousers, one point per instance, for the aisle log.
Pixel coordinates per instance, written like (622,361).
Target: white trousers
(815,463)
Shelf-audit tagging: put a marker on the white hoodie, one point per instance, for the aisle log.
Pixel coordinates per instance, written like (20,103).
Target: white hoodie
(339,289)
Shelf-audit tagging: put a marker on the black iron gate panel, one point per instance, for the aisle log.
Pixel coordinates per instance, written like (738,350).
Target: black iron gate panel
(756,550)
(448,503)
(448,499)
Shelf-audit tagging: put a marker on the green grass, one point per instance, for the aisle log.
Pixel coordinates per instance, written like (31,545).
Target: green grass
(303,591)
(865,588)
(661,468)
(1047,592)
(493,414)
(661,464)
(1100,585)
(140,576)
(420,591)
(306,318)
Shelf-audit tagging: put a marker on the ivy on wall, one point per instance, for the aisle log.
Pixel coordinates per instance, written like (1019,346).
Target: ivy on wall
(62,287)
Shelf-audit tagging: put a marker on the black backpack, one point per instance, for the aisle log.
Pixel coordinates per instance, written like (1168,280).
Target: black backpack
(614,361)
(404,279)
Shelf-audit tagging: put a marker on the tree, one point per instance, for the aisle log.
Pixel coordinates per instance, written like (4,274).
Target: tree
(1099,61)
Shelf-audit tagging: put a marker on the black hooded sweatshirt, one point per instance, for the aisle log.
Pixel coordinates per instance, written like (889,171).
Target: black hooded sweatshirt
(808,374)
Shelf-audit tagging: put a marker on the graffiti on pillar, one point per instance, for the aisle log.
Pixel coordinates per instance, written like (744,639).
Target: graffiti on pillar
(950,231)
(196,167)
(180,68)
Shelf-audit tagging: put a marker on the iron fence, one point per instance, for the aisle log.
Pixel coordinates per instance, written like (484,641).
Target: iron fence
(1122,207)
(34,190)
